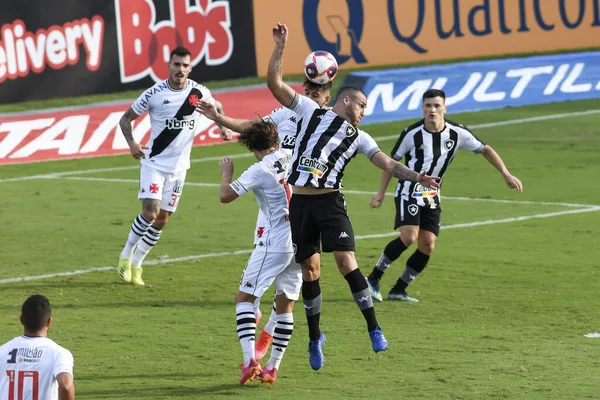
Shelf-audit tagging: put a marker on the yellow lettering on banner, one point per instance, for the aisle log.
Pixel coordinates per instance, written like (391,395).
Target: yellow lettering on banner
(363,33)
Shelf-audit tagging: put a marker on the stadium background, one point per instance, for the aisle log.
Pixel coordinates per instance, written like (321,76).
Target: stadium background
(510,292)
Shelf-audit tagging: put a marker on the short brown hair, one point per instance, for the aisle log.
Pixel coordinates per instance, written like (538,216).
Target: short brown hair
(36,312)
(317,86)
(260,136)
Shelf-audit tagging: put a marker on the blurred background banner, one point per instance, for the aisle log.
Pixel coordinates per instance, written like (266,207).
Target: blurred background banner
(385,32)
(394,95)
(74,48)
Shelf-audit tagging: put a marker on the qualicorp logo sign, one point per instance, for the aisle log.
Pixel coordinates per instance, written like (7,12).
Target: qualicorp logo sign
(145,44)
(23,52)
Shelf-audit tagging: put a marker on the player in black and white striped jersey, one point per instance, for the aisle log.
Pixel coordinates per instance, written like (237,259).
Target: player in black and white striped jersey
(428,145)
(326,141)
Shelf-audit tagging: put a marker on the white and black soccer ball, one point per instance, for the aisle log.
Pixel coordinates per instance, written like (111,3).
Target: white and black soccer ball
(320,67)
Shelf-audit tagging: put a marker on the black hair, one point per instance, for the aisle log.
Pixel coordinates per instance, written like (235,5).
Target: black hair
(260,136)
(180,51)
(431,93)
(36,312)
(348,91)
(310,85)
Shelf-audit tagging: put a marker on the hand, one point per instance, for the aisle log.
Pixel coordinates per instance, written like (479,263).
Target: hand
(280,33)
(377,200)
(513,182)
(207,109)
(137,151)
(226,166)
(226,133)
(428,181)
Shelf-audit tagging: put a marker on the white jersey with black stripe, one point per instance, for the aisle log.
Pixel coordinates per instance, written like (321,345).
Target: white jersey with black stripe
(325,144)
(432,152)
(173,121)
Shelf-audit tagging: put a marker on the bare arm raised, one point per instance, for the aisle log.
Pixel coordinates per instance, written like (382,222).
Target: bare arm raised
(402,172)
(282,92)
(235,124)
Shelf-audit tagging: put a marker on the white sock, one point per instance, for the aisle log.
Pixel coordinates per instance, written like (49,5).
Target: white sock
(270,325)
(139,227)
(145,245)
(281,338)
(246,329)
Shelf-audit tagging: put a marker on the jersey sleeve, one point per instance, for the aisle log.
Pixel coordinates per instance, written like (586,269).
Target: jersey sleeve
(207,95)
(277,116)
(249,180)
(400,148)
(142,103)
(303,106)
(63,362)
(367,145)
(469,141)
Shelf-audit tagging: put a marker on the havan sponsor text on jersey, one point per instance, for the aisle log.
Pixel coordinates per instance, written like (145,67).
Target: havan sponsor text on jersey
(431,152)
(173,118)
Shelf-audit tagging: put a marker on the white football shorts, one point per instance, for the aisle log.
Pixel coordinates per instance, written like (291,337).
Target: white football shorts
(265,268)
(163,186)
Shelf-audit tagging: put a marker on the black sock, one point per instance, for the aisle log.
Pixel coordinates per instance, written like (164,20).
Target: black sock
(391,253)
(414,266)
(360,291)
(311,295)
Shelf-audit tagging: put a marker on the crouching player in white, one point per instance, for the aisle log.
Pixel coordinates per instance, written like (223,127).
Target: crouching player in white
(272,260)
(165,160)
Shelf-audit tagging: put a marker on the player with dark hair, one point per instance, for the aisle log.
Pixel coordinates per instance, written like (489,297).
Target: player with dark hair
(165,159)
(326,142)
(428,145)
(32,366)
(272,260)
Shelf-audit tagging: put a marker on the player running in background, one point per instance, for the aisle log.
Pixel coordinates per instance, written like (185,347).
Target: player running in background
(428,145)
(32,366)
(272,260)
(326,142)
(287,126)
(165,159)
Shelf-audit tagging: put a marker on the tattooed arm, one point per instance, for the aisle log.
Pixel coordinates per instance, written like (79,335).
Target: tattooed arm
(282,92)
(402,172)
(137,151)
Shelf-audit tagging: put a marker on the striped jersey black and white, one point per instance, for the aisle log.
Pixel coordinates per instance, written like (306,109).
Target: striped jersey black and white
(325,144)
(431,152)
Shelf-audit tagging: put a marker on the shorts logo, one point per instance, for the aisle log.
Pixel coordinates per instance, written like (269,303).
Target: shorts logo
(313,166)
(413,209)
(260,231)
(350,131)
(153,188)
(449,144)
(178,187)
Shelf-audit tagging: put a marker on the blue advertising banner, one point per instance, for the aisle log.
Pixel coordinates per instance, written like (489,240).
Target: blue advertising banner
(480,85)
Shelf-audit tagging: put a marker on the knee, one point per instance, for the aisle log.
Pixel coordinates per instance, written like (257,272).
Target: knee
(310,270)
(427,246)
(161,220)
(408,238)
(346,262)
(149,215)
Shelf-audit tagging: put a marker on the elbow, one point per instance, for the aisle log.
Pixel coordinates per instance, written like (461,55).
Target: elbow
(224,198)
(273,83)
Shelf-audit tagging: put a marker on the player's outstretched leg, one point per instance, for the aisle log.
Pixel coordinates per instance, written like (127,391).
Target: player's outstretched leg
(266,335)
(141,251)
(246,330)
(311,296)
(281,338)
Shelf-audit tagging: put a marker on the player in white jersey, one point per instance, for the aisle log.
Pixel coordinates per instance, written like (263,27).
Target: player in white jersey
(287,123)
(32,366)
(165,159)
(284,119)
(272,260)
(430,145)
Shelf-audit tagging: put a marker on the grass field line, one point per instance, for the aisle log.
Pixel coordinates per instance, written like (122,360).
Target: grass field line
(238,252)
(247,154)
(362,192)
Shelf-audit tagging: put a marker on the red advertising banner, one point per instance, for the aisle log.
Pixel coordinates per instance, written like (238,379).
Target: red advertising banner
(94,131)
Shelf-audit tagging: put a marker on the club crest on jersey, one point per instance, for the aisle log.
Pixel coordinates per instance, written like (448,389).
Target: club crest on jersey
(413,209)
(312,165)
(350,131)
(449,144)
(193,99)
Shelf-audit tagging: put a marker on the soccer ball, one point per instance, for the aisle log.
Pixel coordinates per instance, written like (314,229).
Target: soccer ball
(320,67)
